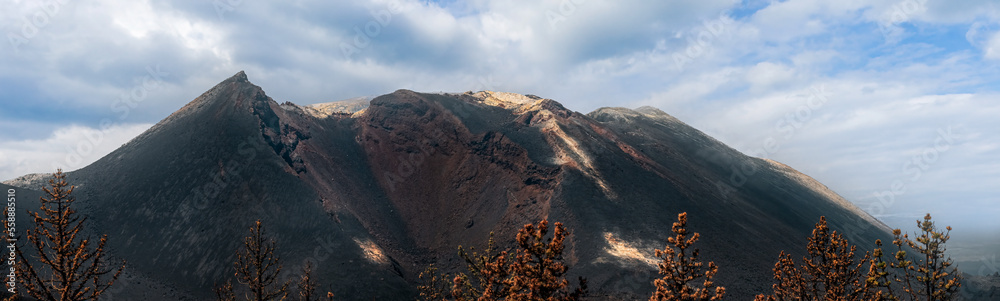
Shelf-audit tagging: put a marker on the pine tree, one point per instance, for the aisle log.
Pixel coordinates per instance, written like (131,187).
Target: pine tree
(679,269)
(932,277)
(71,268)
(538,271)
(434,286)
(878,279)
(257,267)
(489,272)
(829,272)
(225,292)
(306,285)
(534,271)
(789,281)
(832,266)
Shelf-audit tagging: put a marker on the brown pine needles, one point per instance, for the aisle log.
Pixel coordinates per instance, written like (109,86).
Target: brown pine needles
(830,272)
(680,269)
(932,277)
(534,271)
(257,268)
(69,269)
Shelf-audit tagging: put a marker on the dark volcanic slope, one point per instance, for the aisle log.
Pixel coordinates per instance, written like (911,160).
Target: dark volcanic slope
(178,198)
(374,196)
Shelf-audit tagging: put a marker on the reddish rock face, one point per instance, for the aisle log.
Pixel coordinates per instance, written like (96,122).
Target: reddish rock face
(371,194)
(441,176)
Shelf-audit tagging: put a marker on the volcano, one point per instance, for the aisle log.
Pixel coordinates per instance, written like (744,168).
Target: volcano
(373,190)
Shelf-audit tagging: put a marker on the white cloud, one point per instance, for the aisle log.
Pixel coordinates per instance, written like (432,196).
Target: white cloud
(991,49)
(887,91)
(69,148)
(766,74)
(775,19)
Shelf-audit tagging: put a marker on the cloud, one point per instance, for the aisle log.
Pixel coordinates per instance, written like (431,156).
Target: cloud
(767,75)
(742,71)
(69,148)
(991,47)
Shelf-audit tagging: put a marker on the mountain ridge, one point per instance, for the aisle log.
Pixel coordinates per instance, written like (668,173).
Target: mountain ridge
(373,196)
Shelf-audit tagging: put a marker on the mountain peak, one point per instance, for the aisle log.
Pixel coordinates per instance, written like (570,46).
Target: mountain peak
(519,103)
(230,89)
(239,77)
(227,91)
(625,114)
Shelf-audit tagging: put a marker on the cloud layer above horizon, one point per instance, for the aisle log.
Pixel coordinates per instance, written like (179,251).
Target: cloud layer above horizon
(865,96)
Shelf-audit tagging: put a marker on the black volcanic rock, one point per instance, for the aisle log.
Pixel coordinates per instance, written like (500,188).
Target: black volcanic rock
(371,195)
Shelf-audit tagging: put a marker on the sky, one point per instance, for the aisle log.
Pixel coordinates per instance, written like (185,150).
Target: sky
(890,103)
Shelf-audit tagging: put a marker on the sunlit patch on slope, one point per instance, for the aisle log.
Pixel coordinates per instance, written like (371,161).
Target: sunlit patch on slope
(567,149)
(347,106)
(626,253)
(371,251)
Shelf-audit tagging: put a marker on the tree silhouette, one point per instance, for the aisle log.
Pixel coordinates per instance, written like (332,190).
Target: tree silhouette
(307,285)
(679,269)
(257,268)
(71,268)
